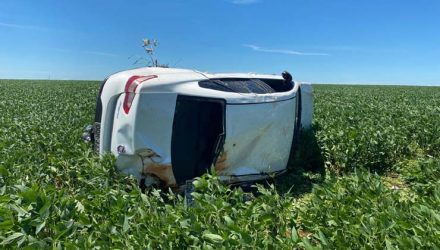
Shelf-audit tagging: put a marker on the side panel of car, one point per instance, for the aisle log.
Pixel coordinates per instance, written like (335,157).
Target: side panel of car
(258,138)
(142,138)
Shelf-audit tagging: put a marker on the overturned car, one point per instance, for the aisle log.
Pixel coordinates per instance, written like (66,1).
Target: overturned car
(167,126)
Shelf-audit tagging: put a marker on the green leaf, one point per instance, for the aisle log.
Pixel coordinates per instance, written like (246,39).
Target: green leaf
(11,238)
(322,238)
(125,225)
(332,223)
(228,220)
(39,227)
(294,235)
(79,207)
(306,243)
(215,238)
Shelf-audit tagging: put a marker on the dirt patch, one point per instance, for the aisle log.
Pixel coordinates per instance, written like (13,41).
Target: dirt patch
(163,171)
(221,164)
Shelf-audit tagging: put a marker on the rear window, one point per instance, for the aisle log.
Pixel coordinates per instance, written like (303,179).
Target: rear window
(244,85)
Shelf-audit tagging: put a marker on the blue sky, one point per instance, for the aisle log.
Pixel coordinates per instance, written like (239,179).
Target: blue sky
(319,41)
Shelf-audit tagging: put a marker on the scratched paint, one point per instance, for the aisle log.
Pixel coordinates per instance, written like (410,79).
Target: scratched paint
(222,162)
(162,171)
(152,165)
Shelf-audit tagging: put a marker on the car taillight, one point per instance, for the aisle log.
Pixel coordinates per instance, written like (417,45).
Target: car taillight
(130,89)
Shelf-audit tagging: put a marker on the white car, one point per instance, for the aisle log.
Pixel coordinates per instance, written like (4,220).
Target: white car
(167,126)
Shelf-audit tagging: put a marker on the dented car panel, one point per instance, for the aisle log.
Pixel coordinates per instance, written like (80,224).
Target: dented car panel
(145,133)
(164,127)
(258,138)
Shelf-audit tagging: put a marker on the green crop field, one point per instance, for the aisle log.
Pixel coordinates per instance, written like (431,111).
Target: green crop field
(366,176)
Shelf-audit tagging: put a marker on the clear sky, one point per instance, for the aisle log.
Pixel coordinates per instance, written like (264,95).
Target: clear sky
(320,41)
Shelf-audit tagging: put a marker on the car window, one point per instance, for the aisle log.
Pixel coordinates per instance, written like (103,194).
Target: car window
(243,85)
